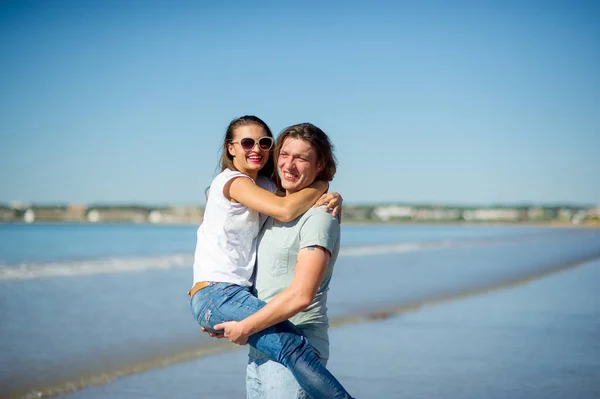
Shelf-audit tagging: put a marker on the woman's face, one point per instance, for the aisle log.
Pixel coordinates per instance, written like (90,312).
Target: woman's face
(249,161)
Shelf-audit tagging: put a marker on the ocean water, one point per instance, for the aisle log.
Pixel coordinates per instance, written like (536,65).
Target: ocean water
(28,246)
(84,304)
(538,339)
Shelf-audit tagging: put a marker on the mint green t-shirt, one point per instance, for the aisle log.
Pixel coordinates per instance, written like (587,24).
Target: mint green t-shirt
(278,248)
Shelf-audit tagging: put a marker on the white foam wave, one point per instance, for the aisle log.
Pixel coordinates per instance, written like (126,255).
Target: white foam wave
(27,271)
(397,248)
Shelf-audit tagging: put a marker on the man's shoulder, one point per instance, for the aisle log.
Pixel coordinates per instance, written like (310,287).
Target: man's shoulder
(319,216)
(266,183)
(319,223)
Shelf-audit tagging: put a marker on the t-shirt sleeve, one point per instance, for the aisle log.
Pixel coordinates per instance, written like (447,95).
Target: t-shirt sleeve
(221,180)
(320,228)
(215,191)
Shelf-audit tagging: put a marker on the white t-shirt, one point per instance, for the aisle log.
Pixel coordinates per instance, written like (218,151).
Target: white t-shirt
(227,237)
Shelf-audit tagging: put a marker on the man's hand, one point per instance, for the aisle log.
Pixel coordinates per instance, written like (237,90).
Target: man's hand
(234,331)
(212,334)
(332,202)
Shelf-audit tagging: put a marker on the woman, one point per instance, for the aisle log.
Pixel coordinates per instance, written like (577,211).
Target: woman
(226,250)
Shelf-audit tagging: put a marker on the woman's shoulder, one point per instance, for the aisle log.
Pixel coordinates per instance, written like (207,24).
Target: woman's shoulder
(227,175)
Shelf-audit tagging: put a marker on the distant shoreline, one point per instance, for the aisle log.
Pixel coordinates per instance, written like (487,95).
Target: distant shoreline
(378,215)
(549,224)
(457,223)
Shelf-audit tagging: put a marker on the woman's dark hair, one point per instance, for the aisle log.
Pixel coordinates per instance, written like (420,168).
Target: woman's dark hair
(227,159)
(320,144)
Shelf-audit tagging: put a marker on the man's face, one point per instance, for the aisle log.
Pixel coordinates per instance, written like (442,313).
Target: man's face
(297,165)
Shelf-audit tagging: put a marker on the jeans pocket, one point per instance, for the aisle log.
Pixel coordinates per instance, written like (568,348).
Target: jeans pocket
(197,307)
(210,316)
(204,308)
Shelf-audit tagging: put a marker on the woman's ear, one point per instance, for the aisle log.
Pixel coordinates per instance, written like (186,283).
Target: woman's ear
(230,149)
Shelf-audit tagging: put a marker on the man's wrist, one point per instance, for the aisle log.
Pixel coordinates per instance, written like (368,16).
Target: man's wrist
(246,328)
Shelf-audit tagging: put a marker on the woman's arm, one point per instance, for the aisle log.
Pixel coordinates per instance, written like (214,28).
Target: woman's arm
(310,269)
(287,208)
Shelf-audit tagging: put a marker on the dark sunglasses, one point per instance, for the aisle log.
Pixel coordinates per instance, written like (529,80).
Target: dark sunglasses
(265,143)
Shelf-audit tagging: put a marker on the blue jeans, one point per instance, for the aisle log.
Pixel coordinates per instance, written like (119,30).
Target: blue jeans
(283,342)
(266,379)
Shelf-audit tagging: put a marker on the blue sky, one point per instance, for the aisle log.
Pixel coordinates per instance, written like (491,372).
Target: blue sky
(475,102)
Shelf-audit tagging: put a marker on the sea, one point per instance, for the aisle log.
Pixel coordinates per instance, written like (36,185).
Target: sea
(429,311)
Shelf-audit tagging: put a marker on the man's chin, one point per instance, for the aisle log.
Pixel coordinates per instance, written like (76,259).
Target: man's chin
(293,188)
(289,187)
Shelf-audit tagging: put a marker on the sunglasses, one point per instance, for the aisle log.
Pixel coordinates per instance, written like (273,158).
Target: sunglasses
(265,143)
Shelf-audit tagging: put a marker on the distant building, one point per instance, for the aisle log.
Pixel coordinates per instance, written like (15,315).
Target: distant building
(155,216)
(436,214)
(594,212)
(29,216)
(115,214)
(504,215)
(386,213)
(565,214)
(177,214)
(58,213)
(535,213)
(18,205)
(93,216)
(75,213)
(7,214)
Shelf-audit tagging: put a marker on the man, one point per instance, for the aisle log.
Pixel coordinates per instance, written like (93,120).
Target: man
(295,265)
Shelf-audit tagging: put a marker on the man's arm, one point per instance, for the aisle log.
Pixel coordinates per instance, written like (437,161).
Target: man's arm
(310,269)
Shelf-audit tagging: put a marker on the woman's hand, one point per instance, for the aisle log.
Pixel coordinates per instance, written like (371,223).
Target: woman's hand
(333,204)
(212,334)
(234,331)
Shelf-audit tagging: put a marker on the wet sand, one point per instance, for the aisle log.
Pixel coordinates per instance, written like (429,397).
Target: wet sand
(538,339)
